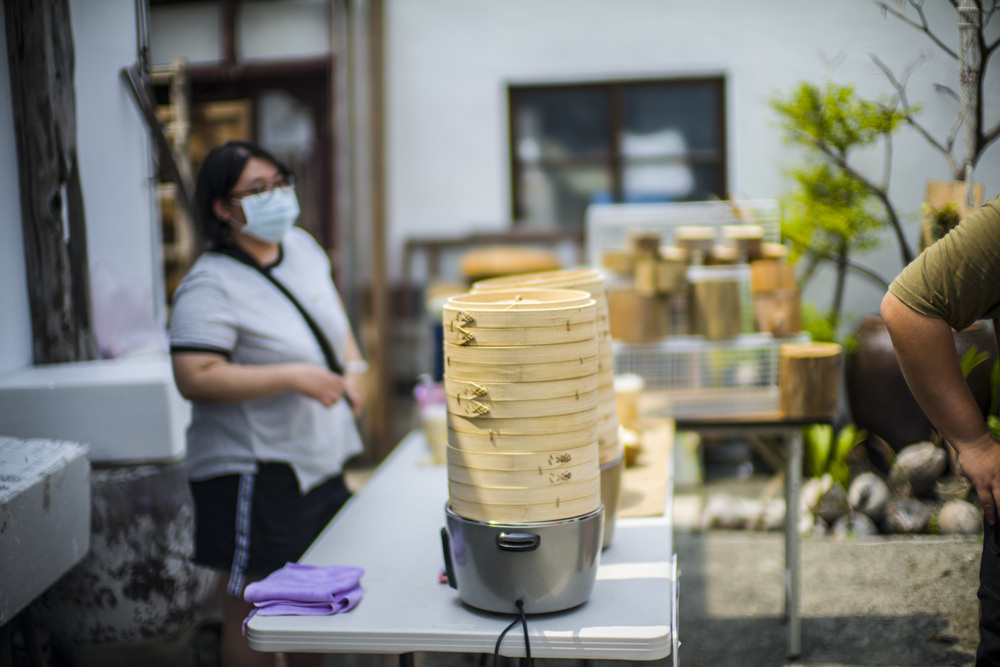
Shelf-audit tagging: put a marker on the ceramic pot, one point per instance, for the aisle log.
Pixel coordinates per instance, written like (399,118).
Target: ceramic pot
(877,394)
(136,598)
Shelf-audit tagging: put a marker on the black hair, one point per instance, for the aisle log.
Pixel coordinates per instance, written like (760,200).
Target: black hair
(219,173)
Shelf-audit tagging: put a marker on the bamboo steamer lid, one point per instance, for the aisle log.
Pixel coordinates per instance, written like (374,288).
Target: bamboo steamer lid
(581,279)
(521,443)
(541,372)
(519,300)
(539,407)
(505,337)
(456,314)
(519,391)
(552,510)
(522,426)
(587,280)
(525,461)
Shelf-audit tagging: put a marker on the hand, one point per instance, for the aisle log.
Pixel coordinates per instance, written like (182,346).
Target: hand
(980,461)
(355,386)
(318,384)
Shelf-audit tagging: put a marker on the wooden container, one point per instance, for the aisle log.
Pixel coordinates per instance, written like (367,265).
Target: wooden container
(695,240)
(715,306)
(637,318)
(747,239)
(809,380)
(643,243)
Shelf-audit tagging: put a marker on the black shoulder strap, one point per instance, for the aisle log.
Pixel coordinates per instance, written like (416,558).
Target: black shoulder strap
(240,255)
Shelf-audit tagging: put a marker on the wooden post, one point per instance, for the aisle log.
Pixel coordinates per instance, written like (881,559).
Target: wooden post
(809,379)
(40,58)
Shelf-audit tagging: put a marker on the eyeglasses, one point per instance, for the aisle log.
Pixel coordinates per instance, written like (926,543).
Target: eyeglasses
(264,191)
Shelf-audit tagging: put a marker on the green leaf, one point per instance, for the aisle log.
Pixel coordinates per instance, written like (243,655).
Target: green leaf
(994,384)
(818,440)
(972,358)
(993,425)
(849,437)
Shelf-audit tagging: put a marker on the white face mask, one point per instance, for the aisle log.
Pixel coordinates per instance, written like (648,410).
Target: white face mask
(270,214)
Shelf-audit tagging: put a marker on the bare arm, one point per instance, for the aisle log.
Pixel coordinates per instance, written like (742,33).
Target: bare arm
(354,380)
(926,352)
(210,378)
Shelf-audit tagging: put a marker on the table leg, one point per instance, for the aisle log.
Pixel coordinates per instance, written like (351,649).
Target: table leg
(793,486)
(405,660)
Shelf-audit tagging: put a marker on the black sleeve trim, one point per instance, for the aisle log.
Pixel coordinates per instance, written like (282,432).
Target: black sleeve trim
(202,349)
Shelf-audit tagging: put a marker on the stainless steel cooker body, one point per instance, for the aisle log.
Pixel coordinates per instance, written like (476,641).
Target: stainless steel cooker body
(549,565)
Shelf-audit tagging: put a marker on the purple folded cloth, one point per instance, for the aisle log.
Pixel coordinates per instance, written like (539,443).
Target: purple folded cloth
(305,590)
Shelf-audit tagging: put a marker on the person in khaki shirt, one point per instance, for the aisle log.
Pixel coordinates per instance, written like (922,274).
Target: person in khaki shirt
(949,286)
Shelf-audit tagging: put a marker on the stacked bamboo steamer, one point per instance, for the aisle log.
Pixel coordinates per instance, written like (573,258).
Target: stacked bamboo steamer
(611,454)
(520,374)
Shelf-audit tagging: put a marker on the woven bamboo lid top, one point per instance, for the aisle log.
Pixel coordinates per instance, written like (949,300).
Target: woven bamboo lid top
(560,278)
(519,300)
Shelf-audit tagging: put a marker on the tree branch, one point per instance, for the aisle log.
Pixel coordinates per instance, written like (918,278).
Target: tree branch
(922,26)
(900,87)
(850,263)
(879,193)
(989,137)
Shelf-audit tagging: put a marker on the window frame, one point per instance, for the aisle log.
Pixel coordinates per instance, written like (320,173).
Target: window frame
(615,160)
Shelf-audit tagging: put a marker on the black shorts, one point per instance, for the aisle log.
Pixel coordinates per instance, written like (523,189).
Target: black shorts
(254,524)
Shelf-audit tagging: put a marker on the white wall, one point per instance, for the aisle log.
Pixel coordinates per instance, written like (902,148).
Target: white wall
(15,317)
(115,164)
(449,62)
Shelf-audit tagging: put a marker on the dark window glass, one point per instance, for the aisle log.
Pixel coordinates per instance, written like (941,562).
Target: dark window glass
(645,141)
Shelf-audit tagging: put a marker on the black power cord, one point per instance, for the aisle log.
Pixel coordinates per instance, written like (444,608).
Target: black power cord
(523,620)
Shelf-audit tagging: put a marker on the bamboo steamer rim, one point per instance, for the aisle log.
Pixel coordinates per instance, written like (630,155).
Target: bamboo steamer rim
(500,443)
(810,350)
(555,370)
(566,488)
(542,512)
(531,478)
(516,300)
(743,231)
(547,407)
(507,355)
(507,319)
(554,459)
(694,233)
(557,278)
(522,426)
(472,335)
(520,391)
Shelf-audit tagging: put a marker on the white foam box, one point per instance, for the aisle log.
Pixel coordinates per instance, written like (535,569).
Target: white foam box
(44,517)
(127,411)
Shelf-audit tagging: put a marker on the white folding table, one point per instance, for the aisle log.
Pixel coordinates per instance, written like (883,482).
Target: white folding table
(391,528)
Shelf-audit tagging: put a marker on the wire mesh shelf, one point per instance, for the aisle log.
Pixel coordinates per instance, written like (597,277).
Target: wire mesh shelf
(608,225)
(690,376)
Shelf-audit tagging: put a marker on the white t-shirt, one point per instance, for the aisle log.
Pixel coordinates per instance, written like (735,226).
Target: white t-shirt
(225,307)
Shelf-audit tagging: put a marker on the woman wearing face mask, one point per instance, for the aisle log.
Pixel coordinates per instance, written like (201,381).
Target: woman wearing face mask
(262,348)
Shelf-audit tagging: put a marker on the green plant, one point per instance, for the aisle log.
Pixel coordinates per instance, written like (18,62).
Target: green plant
(827,454)
(835,211)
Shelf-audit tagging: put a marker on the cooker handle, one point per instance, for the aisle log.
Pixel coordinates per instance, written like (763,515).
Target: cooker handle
(518,541)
